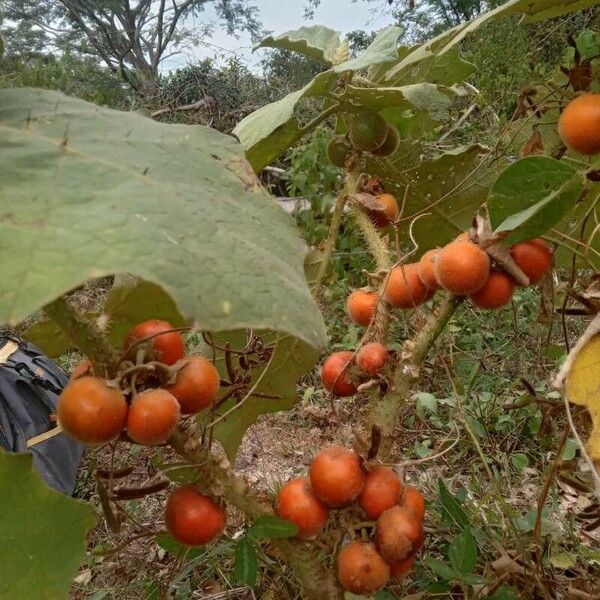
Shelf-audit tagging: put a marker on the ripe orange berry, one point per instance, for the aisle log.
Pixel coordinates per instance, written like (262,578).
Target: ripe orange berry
(90,411)
(463,237)
(496,292)
(335,376)
(196,386)
(361,570)
(462,268)
(533,257)
(389,213)
(297,503)
(152,417)
(192,518)
(426,269)
(398,533)
(167,346)
(371,358)
(383,489)
(82,368)
(579,124)
(404,288)
(399,570)
(336,476)
(413,500)
(361,306)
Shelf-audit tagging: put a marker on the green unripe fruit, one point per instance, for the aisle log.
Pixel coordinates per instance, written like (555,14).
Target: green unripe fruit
(367,131)
(391,143)
(338,151)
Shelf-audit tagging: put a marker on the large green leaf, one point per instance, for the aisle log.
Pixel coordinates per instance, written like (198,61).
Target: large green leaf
(532,195)
(317,42)
(444,192)
(434,100)
(383,49)
(42,533)
(292,358)
(88,192)
(272,129)
(423,64)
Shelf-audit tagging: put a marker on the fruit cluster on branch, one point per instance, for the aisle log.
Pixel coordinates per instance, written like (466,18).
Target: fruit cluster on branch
(392,535)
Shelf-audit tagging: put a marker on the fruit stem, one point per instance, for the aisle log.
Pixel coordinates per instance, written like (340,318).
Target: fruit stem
(319,119)
(318,582)
(385,412)
(85,335)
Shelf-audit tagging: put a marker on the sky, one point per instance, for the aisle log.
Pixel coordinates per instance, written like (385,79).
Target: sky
(279,16)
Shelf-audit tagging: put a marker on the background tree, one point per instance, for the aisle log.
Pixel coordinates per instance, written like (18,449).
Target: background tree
(131,38)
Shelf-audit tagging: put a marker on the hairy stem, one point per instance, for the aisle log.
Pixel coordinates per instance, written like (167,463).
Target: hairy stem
(85,335)
(334,226)
(216,475)
(385,412)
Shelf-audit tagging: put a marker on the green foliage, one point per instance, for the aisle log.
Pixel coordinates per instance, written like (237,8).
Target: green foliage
(43,533)
(246,563)
(229,92)
(270,527)
(532,195)
(100,230)
(81,77)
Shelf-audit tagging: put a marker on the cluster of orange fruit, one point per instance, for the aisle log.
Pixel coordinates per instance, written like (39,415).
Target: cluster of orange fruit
(337,479)
(461,267)
(93,410)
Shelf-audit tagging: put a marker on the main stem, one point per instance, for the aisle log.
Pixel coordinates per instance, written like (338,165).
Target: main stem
(385,412)
(84,334)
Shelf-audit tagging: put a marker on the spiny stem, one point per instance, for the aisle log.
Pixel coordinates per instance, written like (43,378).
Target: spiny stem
(85,335)
(385,412)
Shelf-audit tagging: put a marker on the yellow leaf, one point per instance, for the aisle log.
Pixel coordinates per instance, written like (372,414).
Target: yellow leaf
(583,388)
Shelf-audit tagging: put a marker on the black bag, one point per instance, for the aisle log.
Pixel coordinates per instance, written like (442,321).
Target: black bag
(30,384)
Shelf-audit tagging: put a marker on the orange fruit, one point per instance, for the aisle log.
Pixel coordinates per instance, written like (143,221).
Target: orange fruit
(496,292)
(297,503)
(192,518)
(371,358)
(382,490)
(389,213)
(335,376)
(534,258)
(462,268)
(82,368)
(167,345)
(361,570)
(196,386)
(404,288)
(337,476)
(361,305)
(90,411)
(579,124)
(398,533)
(413,500)
(399,570)
(152,418)
(426,269)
